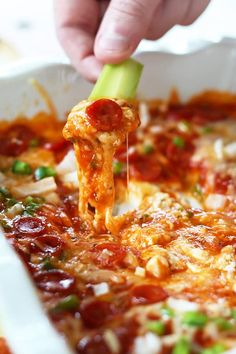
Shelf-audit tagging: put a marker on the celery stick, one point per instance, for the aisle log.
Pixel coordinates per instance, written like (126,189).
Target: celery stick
(118,81)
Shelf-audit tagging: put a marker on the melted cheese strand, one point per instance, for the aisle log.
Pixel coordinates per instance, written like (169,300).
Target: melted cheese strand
(23,321)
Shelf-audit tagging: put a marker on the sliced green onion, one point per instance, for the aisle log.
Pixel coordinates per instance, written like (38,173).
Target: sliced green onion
(197,189)
(43,172)
(21,168)
(117,167)
(223,324)
(118,81)
(179,142)
(215,349)
(47,264)
(207,130)
(148,149)
(4,193)
(157,327)
(181,347)
(233,313)
(194,319)
(10,202)
(167,311)
(69,303)
(32,204)
(34,142)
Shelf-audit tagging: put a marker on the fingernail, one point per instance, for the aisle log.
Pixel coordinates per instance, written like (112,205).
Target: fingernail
(113,42)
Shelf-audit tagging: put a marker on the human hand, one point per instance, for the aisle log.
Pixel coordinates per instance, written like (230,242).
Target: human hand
(94,32)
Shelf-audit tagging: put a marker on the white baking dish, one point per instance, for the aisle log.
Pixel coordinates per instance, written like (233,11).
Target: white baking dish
(212,67)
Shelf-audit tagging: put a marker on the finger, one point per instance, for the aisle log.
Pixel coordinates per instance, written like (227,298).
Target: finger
(172,12)
(76,22)
(124,25)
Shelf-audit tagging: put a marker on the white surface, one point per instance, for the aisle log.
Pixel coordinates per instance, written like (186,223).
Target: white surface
(23,321)
(29,26)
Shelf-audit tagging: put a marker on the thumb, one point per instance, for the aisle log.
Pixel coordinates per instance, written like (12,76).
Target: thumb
(124,25)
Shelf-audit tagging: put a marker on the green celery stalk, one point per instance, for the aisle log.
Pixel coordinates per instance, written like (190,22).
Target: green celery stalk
(118,81)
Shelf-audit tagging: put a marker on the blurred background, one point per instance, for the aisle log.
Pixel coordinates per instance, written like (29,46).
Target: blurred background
(27,30)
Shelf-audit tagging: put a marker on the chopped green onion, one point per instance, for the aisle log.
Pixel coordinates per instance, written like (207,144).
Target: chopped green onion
(194,319)
(34,142)
(43,172)
(117,167)
(215,349)
(207,130)
(157,327)
(32,204)
(179,142)
(148,149)
(167,311)
(181,347)
(47,264)
(21,168)
(4,193)
(10,202)
(118,80)
(233,313)
(197,189)
(223,324)
(69,303)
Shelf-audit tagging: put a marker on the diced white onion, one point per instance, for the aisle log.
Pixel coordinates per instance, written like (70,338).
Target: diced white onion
(43,186)
(112,341)
(147,344)
(14,210)
(140,271)
(215,201)
(70,178)
(218,148)
(181,306)
(68,164)
(144,114)
(156,129)
(230,150)
(101,289)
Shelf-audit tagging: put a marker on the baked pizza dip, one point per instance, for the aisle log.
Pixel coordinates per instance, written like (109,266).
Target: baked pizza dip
(136,254)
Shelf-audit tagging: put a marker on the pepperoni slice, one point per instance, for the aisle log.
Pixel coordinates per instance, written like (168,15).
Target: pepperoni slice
(94,345)
(48,244)
(29,225)
(222,183)
(147,294)
(96,313)
(146,170)
(55,281)
(15,140)
(108,254)
(57,145)
(104,115)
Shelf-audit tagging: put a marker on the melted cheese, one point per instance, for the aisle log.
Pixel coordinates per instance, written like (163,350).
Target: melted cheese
(96,183)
